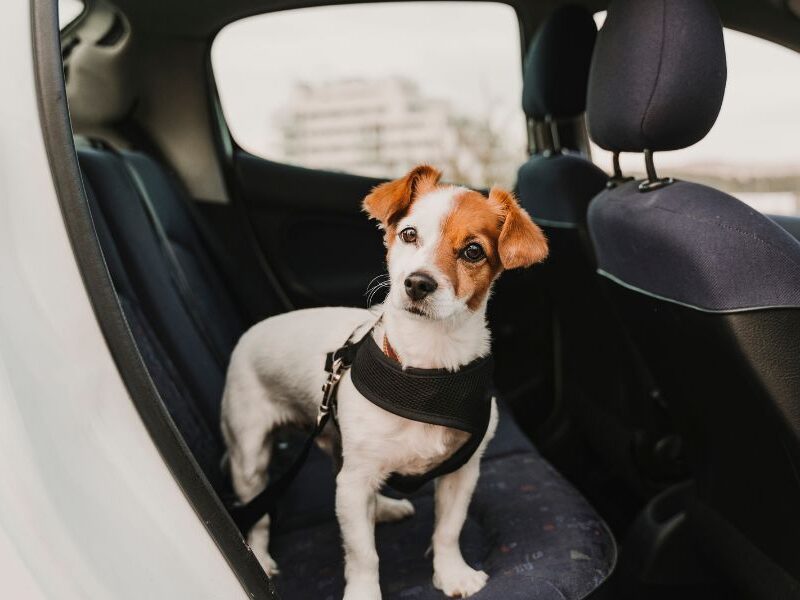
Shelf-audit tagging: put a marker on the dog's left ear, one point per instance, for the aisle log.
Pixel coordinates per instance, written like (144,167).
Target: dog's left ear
(521,242)
(389,201)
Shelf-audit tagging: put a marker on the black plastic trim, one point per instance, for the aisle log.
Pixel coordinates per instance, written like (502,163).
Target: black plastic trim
(57,135)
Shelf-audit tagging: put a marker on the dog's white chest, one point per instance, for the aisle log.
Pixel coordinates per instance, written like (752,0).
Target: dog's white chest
(390,443)
(428,446)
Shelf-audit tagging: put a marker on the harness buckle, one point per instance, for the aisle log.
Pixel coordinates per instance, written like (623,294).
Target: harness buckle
(329,389)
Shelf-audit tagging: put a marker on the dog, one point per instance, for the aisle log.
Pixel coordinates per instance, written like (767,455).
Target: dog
(446,245)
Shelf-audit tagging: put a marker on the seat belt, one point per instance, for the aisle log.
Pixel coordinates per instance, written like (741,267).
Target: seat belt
(176,272)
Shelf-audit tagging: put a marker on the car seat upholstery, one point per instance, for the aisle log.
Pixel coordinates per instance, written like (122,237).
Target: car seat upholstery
(532,531)
(709,287)
(606,388)
(206,446)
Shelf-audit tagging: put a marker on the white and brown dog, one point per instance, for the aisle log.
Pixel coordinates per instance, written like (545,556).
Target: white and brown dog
(446,245)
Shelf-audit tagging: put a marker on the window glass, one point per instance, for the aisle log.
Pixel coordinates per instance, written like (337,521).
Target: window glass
(753,150)
(374,89)
(68,11)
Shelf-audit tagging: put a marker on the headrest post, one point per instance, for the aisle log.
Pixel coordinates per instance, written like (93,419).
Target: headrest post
(545,135)
(650,166)
(617,178)
(653,182)
(533,143)
(617,168)
(552,125)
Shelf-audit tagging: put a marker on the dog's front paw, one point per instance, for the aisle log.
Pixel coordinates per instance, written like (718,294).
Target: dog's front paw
(267,563)
(457,579)
(362,590)
(390,509)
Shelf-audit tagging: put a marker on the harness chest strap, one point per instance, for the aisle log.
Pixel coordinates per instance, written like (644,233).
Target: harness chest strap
(456,399)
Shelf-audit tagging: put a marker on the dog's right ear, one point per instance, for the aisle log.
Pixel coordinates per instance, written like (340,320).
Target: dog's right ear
(389,201)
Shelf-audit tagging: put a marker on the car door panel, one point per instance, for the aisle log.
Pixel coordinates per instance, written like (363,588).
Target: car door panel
(310,227)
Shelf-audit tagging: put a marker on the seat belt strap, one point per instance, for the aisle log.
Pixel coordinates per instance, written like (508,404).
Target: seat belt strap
(176,272)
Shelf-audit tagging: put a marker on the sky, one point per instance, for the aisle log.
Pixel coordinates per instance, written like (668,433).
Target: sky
(68,10)
(470,55)
(467,55)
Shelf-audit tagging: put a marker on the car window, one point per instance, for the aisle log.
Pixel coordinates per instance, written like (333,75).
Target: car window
(752,152)
(68,11)
(375,89)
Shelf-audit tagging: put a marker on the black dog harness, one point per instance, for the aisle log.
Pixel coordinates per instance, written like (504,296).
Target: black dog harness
(458,399)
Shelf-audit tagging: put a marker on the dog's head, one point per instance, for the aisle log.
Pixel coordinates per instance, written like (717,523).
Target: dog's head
(446,245)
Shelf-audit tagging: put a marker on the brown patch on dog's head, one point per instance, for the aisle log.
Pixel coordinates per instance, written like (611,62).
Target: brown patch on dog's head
(506,234)
(390,201)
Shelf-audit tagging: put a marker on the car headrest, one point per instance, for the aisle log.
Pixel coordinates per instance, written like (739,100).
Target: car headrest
(557,64)
(658,75)
(101,73)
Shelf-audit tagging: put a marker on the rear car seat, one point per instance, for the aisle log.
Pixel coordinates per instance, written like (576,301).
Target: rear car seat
(534,533)
(608,393)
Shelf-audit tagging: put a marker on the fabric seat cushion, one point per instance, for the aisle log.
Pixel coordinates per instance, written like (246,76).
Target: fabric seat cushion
(298,508)
(527,527)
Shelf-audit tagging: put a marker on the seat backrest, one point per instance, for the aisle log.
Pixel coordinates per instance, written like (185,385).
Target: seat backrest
(604,385)
(205,442)
(709,288)
(556,184)
(150,228)
(214,302)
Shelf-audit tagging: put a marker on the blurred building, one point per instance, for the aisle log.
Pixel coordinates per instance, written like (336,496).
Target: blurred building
(384,127)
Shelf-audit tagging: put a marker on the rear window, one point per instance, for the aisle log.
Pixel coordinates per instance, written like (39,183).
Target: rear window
(375,89)
(753,150)
(68,11)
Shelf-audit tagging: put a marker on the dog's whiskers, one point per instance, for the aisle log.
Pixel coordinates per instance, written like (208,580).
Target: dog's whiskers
(374,279)
(374,290)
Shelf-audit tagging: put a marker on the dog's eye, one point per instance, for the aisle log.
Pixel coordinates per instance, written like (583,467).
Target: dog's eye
(409,235)
(473,252)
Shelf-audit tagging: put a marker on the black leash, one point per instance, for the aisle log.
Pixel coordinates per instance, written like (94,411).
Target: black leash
(247,515)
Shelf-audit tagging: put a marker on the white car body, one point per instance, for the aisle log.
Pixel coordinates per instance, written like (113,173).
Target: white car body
(88,507)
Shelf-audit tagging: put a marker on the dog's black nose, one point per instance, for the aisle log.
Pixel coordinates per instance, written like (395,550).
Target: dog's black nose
(419,285)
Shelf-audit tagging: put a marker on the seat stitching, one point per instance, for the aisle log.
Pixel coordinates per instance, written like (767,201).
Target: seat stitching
(658,72)
(555,588)
(733,229)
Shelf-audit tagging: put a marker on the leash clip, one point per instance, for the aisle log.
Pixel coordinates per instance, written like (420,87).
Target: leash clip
(329,389)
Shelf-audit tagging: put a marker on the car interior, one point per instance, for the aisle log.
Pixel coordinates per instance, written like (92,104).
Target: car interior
(648,372)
